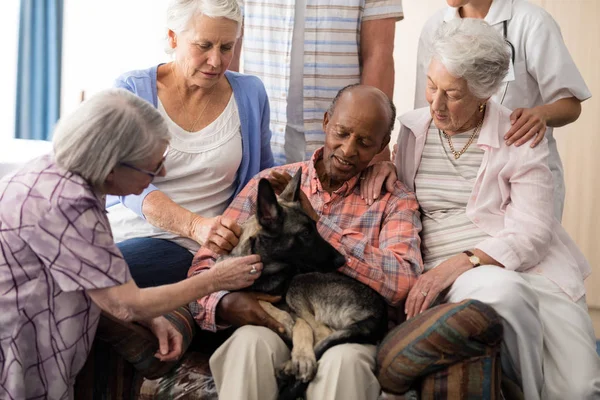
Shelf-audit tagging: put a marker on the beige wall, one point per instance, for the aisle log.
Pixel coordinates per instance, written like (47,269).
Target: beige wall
(579,143)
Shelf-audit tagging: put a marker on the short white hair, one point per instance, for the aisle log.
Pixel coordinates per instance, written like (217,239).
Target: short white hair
(180,14)
(111,127)
(471,49)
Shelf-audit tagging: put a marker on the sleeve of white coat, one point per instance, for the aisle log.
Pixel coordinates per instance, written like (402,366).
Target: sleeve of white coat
(527,234)
(422,61)
(424,55)
(550,64)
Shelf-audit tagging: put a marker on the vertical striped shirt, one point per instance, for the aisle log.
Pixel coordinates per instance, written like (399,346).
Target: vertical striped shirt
(443,186)
(380,242)
(331,56)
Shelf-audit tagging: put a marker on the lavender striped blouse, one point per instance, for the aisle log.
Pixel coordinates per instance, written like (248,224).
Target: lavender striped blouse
(55,243)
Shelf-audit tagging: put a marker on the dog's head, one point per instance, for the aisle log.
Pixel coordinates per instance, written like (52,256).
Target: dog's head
(288,235)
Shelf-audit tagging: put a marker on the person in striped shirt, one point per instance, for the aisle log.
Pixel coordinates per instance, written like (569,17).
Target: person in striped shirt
(305,51)
(380,242)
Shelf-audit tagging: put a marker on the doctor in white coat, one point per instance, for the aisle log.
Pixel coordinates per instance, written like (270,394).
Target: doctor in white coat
(543,88)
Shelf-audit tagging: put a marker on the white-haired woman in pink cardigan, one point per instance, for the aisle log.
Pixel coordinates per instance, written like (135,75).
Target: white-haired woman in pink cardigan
(489,232)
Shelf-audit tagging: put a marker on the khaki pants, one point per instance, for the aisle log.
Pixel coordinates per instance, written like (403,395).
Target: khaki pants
(549,342)
(244,368)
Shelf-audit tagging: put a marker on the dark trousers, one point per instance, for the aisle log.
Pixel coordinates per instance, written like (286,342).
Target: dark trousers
(155,262)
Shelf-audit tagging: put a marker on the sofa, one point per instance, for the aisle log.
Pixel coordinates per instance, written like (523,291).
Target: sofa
(451,351)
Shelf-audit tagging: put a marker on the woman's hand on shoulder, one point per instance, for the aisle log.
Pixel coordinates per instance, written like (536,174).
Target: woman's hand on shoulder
(219,234)
(429,285)
(373,179)
(527,124)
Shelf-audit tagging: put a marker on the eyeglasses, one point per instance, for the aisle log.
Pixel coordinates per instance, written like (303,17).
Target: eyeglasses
(152,174)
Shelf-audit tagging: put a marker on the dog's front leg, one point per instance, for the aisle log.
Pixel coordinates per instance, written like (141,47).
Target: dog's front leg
(280,316)
(303,365)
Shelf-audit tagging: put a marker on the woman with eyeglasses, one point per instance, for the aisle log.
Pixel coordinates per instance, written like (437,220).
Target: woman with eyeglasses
(543,88)
(220,138)
(59,265)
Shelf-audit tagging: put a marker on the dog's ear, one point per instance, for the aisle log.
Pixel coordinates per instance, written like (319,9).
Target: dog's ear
(268,211)
(292,190)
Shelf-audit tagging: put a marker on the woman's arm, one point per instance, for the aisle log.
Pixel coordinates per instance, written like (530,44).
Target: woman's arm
(220,234)
(130,303)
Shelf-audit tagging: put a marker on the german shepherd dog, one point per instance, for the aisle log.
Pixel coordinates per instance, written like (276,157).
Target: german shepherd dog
(321,307)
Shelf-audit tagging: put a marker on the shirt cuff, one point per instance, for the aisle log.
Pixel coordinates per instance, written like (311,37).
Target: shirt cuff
(208,321)
(501,252)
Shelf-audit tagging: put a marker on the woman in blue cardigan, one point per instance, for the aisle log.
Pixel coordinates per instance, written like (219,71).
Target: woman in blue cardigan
(220,138)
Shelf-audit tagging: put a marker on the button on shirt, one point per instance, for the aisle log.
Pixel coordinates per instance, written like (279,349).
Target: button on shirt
(380,242)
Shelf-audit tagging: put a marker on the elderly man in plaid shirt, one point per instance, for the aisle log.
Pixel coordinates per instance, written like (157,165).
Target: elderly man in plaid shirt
(379,238)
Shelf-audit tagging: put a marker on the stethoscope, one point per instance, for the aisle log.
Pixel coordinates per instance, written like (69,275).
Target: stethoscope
(512,55)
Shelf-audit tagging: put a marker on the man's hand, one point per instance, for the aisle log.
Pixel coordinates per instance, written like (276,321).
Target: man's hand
(219,234)
(243,308)
(280,181)
(169,339)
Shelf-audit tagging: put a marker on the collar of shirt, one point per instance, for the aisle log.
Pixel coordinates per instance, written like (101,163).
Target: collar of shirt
(315,183)
(500,11)
(494,122)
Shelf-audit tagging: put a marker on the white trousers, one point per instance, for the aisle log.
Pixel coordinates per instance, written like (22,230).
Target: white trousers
(244,368)
(549,343)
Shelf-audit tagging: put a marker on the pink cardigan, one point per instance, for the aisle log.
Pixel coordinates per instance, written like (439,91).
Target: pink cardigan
(512,200)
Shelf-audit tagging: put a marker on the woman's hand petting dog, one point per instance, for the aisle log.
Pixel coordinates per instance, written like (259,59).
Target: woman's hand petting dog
(235,273)
(243,308)
(219,234)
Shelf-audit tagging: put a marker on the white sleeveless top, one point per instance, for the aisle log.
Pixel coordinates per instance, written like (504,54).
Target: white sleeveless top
(443,186)
(201,175)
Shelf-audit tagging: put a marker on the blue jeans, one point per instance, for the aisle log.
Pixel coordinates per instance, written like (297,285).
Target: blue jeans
(155,262)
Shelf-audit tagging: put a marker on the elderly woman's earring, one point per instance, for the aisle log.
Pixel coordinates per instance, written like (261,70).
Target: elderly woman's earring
(482,107)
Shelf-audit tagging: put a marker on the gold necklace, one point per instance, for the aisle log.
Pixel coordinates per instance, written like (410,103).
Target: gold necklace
(187,115)
(460,153)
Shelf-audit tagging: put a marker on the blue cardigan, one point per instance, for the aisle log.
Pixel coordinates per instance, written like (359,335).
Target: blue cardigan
(253,108)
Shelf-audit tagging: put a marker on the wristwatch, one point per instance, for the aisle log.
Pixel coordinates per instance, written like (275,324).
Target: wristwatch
(473,259)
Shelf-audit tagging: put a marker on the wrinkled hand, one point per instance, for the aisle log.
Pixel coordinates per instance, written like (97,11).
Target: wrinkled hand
(219,234)
(170,340)
(527,123)
(433,282)
(236,272)
(279,182)
(243,308)
(375,177)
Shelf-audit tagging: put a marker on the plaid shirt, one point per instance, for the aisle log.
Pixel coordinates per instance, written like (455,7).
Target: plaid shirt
(380,242)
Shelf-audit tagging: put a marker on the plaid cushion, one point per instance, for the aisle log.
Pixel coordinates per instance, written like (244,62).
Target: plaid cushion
(137,345)
(435,339)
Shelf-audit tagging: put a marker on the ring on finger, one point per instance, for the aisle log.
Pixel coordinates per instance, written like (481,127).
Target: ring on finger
(424,293)
(253,271)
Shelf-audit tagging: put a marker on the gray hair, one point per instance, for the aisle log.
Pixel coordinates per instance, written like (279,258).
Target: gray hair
(473,50)
(180,14)
(112,127)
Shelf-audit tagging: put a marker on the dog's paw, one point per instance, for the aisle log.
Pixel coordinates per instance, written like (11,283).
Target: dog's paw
(302,367)
(288,322)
